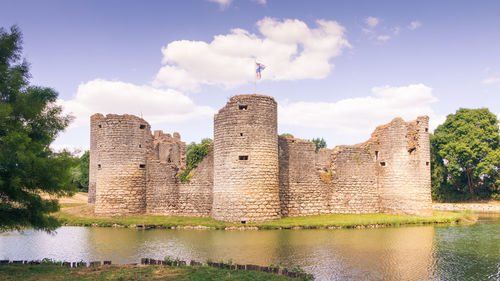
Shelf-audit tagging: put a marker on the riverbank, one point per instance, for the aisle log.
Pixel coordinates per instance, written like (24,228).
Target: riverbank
(483,207)
(129,272)
(83,215)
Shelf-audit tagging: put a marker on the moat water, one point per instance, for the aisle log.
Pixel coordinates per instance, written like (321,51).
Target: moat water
(405,253)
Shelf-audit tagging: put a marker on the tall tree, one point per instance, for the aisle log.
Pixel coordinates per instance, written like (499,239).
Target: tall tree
(29,121)
(466,151)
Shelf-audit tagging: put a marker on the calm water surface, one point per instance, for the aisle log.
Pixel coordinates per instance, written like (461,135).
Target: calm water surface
(405,253)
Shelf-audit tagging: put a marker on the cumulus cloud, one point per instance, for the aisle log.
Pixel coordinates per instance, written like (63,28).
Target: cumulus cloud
(414,25)
(491,80)
(102,96)
(363,114)
(289,48)
(222,3)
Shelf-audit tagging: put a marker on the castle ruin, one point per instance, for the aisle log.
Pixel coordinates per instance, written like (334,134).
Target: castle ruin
(251,174)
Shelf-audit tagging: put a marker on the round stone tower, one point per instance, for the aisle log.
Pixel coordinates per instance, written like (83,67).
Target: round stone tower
(119,148)
(246,160)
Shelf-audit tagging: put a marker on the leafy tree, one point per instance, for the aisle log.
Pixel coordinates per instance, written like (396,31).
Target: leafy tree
(466,154)
(320,143)
(84,171)
(194,154)
(287,135)
(29,121)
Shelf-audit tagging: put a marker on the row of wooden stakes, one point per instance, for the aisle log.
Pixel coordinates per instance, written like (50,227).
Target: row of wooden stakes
(248,267)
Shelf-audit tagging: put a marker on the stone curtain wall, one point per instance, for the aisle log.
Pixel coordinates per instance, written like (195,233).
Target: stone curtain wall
(403,166)
(167,196)
(123,144)
(354,180)
(302,192)
(246,160)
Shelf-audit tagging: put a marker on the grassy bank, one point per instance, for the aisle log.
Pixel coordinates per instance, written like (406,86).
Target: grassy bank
(83,215)
(129,272)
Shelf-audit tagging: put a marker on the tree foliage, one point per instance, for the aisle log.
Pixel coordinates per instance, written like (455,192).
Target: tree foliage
(194,154)
(320,143)
(29,121)
(80,171)
(287,135)
(465,154)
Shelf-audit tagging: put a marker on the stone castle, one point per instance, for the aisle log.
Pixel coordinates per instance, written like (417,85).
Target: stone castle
(251,174)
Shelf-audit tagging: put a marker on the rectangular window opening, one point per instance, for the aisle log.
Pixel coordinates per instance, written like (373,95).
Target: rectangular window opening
(142,127)
(243,107)
(243,222)
(243,157)
(98,166)
(142,166)
(140,146)
(426,163)
(376,155)
(100,126)
(382,164)
(241,134)
(426,130)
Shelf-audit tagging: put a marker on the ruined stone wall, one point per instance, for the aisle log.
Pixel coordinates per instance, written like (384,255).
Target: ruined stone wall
(354,180)
(166,195)
(246,160)
(403,166)
(302,191)
(123,144)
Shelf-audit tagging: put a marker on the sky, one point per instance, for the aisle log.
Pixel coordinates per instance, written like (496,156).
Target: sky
(336,68)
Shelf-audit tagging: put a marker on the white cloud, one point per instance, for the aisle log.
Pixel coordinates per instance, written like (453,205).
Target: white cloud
(363,114)
(289,48)
(491,80)
(371,22)
(222,3)
(383,37)
(414,25)
(156,105)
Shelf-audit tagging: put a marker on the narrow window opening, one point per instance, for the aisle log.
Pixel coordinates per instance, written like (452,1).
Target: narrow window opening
(243,157)
(243,107)
(142,166)
(376,155)
(411,149)
(426,163)
(169,160)
(98,166)
(241,134)
(243,222)
(100,126)
(140,145)
(426,130)
(382,164)
(142,127)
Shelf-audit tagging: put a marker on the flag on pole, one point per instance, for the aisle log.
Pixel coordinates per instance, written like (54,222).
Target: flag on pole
(258,71)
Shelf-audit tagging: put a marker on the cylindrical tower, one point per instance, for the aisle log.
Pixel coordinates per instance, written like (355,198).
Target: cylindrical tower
(246,160)
(403,166)
(119,148)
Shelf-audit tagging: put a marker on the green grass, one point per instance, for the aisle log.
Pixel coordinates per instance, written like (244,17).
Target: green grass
(127,272)
(319,221)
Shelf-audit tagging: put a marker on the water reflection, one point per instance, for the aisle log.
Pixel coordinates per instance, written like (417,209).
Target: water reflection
(407,253)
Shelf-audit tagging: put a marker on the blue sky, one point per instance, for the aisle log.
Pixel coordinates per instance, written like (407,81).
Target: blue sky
(336,68)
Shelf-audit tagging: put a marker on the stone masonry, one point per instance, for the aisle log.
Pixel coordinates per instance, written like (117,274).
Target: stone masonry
(251,174)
